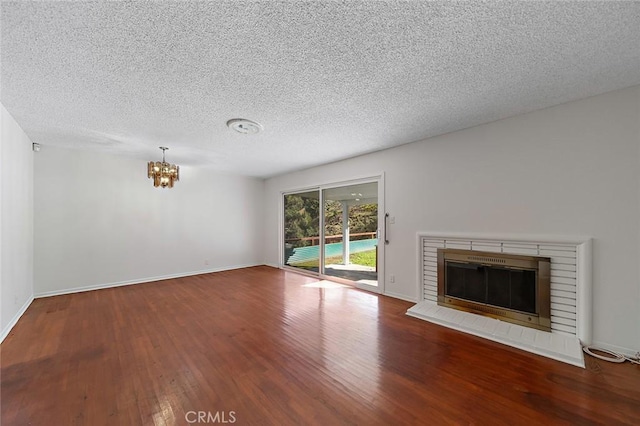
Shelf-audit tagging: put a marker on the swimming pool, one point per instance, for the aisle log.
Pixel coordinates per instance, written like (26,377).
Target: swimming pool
(306,254)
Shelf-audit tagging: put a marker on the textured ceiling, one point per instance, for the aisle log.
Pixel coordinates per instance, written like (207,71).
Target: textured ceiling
(327,80)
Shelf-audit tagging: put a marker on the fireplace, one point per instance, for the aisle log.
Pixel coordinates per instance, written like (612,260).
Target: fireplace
(509,287)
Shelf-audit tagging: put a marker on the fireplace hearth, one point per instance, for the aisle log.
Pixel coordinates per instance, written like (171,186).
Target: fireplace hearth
(509,287)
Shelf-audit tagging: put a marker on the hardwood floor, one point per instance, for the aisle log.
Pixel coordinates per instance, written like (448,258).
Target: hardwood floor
(264,346)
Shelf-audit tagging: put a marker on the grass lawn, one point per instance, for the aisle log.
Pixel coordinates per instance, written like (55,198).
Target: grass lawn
(364,258)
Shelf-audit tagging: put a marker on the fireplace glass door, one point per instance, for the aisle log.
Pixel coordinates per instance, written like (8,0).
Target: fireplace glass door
(507,288)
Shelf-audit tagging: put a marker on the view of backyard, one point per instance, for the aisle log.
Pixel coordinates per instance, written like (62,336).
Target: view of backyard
(302,213)
(365,258)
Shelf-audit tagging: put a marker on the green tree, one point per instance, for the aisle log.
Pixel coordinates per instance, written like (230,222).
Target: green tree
(301,219)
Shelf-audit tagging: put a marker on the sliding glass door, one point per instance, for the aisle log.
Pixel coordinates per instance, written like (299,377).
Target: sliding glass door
(333,231)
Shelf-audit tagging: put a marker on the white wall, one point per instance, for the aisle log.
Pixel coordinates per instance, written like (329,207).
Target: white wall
(99,221)
(570,170)
(16,218)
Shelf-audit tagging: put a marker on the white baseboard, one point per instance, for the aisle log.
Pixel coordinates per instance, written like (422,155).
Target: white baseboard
(15,319)
(140,280)
(618,349)
(399,296)
(273,265)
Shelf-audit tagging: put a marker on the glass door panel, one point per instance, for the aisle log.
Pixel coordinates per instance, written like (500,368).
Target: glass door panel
(350,232)
(302,230)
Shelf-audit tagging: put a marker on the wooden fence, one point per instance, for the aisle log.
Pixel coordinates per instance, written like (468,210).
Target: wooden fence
(315,240)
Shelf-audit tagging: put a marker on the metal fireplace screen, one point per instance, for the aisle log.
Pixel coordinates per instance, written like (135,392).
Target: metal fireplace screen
(508,287)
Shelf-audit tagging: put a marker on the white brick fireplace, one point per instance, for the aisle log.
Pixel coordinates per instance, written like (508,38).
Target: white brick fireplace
(570,292)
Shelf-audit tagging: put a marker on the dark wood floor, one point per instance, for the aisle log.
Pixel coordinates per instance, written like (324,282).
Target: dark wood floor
(259,343)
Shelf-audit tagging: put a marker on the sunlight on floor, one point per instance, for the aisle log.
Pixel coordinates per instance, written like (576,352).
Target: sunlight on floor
(324,284)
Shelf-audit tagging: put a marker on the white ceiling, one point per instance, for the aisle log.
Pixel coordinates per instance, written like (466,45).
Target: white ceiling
(327,80)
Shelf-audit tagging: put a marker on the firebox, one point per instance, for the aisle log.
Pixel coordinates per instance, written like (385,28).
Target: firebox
(509,287)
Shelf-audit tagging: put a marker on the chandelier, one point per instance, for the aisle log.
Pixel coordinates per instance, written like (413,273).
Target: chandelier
(163,174)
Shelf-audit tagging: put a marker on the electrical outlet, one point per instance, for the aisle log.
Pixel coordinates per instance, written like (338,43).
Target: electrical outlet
(392,220)
(392,278)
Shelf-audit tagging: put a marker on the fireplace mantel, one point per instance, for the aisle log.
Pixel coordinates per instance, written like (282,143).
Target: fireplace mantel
(570,291)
